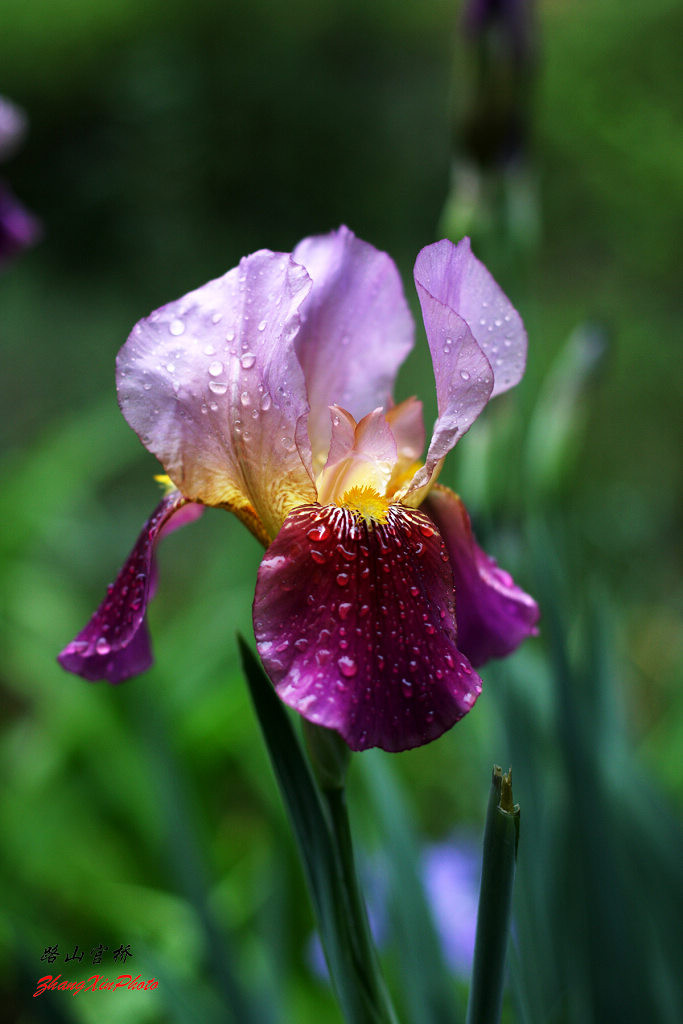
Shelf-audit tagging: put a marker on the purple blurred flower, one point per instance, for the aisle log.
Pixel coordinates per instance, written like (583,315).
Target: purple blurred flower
(18,228)
(268,392)
(450,873)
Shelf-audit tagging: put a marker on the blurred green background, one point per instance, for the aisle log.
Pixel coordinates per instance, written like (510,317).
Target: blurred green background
(166,141)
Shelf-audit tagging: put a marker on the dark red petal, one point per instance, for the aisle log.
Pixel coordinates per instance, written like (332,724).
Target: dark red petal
(355,625)
(115,643)
(494,614)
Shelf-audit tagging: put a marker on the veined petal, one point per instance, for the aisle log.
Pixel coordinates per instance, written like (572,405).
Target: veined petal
(454,276)
(361,455)
(355,625)
(213,387)
(357,329)
(494,614)
(115,644)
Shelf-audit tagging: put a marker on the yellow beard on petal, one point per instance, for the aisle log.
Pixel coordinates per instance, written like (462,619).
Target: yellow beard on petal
(367,503)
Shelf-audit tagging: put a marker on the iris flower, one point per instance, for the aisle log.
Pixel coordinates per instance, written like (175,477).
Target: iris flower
(268,392)
(18,228)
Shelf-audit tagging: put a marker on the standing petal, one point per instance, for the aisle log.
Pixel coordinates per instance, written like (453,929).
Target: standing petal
(357,329)
(464,378)
(115,644)
(361,455)
(454,276)
(494,615)
(355,624)
(212,385)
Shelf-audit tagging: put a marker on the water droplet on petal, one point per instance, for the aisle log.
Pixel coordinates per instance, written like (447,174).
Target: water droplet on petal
(266,402)
(102,646)
(247,360)
(244,398)
(464,374)
(344,609)
(262,325)
(347,666)
(319,532)
(218,387)
(342,579)
(215,368)
(209,350)
(176,327)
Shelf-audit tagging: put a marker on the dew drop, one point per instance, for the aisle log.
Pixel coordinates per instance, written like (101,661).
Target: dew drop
(176,327)
(215,368)
(318,557)
(244,399)
(170,367)
(464,374)
(230,336)
(319,532)
(218,387)
(262,326)
(247,360)
(344,609)
(342,579)
(216,318)
(407,687)
(102,646)
(213,406)
(209,350)
(347,666)
(265,402)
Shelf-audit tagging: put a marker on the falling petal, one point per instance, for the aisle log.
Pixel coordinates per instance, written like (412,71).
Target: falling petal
(115,643)
(355,624)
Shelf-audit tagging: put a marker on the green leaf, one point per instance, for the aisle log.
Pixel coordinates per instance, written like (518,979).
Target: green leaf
(501,834)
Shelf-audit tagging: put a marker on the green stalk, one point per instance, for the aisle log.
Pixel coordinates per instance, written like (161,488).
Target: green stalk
(501,835)
(329,757)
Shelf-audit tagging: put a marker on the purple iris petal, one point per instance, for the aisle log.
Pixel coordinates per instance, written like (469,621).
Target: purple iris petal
(213,387)
(115,644)
(357,328)
(453,276)
(464,378)
(355,626)
(494,614)
(18,228)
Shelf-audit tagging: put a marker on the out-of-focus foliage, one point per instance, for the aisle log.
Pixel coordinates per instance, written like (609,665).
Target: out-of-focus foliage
(167,140)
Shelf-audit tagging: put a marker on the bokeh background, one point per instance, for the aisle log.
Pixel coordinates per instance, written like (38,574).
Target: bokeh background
(166,141)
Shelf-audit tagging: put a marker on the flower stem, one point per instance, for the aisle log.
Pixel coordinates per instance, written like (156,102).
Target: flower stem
(501,834)
(330,757)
